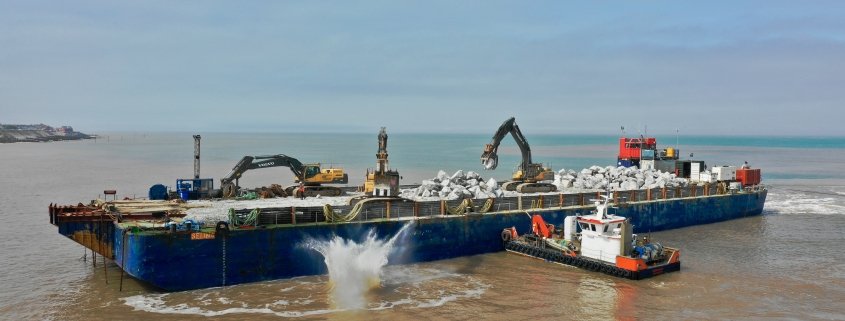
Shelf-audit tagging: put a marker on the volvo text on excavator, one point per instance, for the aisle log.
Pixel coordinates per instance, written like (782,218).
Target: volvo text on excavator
(529,176)
(311,175)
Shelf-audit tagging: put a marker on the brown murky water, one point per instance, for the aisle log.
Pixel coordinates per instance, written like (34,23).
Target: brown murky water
(786,264)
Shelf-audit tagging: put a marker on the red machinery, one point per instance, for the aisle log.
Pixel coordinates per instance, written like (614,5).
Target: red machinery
(631,148)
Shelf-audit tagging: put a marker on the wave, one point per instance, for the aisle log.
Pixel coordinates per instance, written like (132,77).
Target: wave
(407,287)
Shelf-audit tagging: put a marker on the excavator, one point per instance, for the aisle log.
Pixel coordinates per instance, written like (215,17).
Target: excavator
(529,176)
(312,176)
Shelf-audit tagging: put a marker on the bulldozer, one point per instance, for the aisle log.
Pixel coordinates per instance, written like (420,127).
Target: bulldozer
(528,176)
(312,176)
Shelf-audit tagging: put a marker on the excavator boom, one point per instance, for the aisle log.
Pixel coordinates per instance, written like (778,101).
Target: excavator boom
(265,161)
(310,174)
(490,157)
(528,174)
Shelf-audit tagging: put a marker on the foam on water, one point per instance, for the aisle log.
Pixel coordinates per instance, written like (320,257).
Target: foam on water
(409,287)
(801,200)
(157,304)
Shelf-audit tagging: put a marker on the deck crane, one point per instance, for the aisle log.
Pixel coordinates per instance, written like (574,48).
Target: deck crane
(383,181)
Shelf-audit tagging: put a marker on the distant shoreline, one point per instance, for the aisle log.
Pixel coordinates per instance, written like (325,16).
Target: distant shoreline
(45,139)
(39,133)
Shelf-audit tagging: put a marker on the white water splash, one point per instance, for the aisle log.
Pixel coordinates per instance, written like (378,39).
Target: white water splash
(355,268)
(805,200)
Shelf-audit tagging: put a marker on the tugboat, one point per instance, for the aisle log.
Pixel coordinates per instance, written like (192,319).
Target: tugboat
(600,242)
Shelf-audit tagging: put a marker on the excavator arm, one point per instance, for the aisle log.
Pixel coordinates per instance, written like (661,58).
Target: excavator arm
(255,162)
(490,157)
(228,183)
(311,175)
(529,176)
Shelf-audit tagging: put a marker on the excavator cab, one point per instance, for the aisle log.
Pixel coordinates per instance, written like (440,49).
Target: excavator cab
(311,170)
(534,173)
(315,174)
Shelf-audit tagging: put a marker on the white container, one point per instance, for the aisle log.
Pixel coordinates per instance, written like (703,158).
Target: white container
(736,186)
(724,173)
(695,171)
(646,164)
(706,177)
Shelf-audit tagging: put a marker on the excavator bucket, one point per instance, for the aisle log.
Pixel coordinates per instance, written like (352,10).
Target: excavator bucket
(489,158)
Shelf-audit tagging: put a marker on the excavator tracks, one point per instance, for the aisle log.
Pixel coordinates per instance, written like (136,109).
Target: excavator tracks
(536,188)
(313,191)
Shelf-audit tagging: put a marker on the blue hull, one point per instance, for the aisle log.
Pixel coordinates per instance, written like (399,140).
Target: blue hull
(174,262)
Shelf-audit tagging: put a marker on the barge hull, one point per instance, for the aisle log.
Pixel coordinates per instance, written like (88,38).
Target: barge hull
(192,260)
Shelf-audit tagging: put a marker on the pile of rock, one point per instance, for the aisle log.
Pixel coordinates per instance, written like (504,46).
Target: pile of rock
(458,185)
(470,184)
(615,179)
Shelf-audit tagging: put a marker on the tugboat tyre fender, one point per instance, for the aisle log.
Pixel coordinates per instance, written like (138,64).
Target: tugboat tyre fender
(506,235)
(222,228)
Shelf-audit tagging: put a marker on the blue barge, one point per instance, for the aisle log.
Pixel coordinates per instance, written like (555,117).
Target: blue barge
(273,248)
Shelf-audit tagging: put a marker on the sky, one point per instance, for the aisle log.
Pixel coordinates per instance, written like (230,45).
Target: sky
(559,67)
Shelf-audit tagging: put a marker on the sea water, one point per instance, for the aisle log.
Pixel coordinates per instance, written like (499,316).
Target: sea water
(788,263)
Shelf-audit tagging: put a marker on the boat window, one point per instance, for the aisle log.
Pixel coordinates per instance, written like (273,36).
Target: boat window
(584,226)
(605,228)
(619,225)
(593,227)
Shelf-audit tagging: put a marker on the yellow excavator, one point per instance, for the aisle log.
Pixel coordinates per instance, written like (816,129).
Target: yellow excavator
(312,176)
(529,176)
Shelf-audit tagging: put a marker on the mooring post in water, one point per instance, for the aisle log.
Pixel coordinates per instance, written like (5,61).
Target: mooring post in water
(122,258)
(102,231)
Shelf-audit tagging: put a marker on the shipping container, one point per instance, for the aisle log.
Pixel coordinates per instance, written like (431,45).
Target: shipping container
(630,148)
(625,163)
(695,170)
(707,177)
(686,168)
(724,173)
(748,176)
(667,166)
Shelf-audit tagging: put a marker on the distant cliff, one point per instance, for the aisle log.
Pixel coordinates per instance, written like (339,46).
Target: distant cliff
(38,133)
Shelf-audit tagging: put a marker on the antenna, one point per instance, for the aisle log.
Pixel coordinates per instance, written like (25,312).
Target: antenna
(677,139)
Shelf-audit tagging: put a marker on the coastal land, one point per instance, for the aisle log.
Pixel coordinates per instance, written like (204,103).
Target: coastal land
(10,133)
